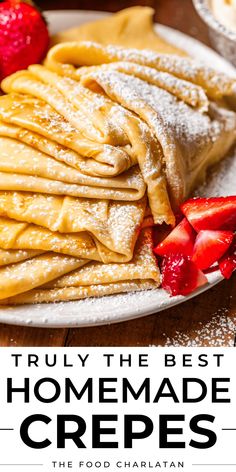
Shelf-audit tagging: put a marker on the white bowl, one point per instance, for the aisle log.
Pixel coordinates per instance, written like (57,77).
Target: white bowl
(222,38)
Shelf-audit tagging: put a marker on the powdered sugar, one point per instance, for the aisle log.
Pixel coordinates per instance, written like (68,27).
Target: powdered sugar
(220,330)
(186,69)
(221,179)
(182,131)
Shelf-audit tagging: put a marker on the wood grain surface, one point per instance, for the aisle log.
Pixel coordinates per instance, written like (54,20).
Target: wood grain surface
(207,320)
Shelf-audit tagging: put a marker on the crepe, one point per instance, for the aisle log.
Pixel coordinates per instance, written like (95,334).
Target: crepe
(11,256)
(23,276)
(65,58)
(38,125)
(102,120)
(91,115)
(30,239)
(191,94)
(28,168)
(96,279)
(192,133)
(107,230)
(191,140)
(132,27)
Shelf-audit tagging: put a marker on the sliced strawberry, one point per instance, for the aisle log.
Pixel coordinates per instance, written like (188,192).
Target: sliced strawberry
(180,276)
(227,263)
(210,246)
(180,240)
(211,213)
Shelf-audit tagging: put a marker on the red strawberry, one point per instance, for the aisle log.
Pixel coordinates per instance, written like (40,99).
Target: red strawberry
(180,276)
(211,213)
(180,240)
(24,37)
(227,264)
(210,246)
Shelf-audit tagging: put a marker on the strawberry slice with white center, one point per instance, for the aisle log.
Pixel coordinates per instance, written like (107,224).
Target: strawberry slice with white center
(211,213)
(180,240)
(227,264)
(180,276)
(210,246)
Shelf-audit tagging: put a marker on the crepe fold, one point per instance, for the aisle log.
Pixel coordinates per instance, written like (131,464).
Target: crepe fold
(12,256)
(101,119)
(22,167)
(191,140)
(167,123)
(65,58)
(93,229)
(23,276)
(37,124)
(92,280)
(121,29)
(174,141)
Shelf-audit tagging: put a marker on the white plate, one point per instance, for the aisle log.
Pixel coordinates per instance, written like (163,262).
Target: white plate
(123,307)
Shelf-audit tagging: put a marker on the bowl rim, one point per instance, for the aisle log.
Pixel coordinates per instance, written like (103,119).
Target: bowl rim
(204,11)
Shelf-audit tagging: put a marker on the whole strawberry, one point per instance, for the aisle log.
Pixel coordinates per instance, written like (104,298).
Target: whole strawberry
(24,37)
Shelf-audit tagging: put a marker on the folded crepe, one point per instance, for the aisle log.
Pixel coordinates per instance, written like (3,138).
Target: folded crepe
(191,140)
(92,229)
(65,58)
(190,135)
(23,240)
(103,120)
(93,280)
(35,123)
(22,167)
(189,93)
(92,115)
(121,28)
(11,256)
(23,276)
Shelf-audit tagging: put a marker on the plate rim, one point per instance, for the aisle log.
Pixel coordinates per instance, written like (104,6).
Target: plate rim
(13,315)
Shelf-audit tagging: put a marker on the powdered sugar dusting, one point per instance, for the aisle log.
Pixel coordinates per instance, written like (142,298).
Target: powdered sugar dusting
(220,330)
(177,126)
(184,68)
(221,179)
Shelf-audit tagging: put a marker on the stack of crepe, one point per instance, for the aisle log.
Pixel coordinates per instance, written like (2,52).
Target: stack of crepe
(96,145)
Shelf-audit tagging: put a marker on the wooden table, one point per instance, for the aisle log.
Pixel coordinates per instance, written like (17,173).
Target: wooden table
(209,319)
